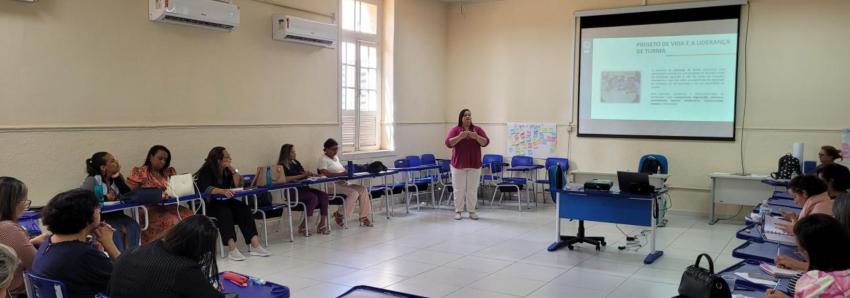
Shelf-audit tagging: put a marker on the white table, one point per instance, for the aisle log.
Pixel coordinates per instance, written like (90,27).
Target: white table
(581,177)
(738,190)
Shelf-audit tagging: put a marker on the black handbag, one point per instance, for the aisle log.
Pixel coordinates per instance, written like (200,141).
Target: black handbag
(143,195)
(700,283)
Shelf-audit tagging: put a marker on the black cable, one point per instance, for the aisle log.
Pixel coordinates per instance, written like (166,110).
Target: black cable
(746,86)
(733,216)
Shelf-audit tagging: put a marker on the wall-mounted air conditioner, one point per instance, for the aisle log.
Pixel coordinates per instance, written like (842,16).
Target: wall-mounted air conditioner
(304,31)
(197,13)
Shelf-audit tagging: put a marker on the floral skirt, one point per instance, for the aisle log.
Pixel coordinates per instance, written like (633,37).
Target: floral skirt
(162,218)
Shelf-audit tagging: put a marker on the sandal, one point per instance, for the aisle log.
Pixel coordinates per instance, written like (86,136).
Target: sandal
(364,221)
(323,230)
(340,220)
(303,231)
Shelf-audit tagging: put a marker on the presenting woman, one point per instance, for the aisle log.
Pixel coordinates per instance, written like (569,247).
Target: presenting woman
(466,141)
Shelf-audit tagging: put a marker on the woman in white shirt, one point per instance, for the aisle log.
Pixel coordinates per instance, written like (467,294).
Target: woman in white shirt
(330,166)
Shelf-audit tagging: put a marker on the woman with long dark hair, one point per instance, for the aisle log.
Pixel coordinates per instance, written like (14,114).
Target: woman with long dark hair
(311,197)
(466,141)
(217,177)
(155,173)
(823,242)
(13,201)
(180,265)
(104,170)
(837,178)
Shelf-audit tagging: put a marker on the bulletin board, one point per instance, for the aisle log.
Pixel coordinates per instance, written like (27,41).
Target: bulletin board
(538,140)
(845,145)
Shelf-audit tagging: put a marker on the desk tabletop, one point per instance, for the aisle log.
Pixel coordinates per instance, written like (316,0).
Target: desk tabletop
(739,177)
(580,172)
(774,182)
(416,168)
(525,168)
(578,189)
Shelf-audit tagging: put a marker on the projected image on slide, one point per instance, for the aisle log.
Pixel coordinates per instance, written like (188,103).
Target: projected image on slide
(620,87)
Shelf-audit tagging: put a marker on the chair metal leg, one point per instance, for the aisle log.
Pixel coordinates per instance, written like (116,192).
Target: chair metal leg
(493,199)
(291,228)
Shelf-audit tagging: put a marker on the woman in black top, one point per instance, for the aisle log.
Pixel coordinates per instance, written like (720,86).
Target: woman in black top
(180,265)
(217,177)
(309,196)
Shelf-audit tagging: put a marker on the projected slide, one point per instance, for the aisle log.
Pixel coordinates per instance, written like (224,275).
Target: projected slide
(673,80)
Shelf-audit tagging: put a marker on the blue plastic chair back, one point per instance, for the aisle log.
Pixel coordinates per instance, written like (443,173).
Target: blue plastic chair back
(445,166)
(809,166)
(522,161)
(414,160)
(429,159)
(46,288)
(401,163)
(490,158)
(660,158)
(554,161)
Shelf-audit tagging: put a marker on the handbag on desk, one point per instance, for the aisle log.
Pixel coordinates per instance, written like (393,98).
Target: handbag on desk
(697,282)
(180,185)
(143,195)
(278,176)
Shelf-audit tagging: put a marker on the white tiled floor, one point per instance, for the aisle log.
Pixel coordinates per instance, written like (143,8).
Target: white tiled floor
(502,255)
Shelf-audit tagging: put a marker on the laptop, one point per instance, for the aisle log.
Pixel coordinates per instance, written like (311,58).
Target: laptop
(634,182)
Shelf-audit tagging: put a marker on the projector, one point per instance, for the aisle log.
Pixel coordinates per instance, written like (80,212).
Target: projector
(598,184)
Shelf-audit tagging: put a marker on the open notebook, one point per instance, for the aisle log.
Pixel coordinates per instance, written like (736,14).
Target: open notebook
(773,234)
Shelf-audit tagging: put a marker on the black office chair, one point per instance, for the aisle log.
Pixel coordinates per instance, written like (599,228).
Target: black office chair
(580,237)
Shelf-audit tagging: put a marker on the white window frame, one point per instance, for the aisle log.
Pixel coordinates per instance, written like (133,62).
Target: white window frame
(358,39)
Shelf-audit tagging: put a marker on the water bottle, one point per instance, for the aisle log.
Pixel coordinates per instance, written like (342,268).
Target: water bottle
(257,281)
(350,169)
(98,192)
(268,176)
(764,211)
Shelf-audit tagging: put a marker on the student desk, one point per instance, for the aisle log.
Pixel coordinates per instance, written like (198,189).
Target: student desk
(29,221)
(607,206)
(581,177)
(738,190)
(530,177)
(752,266)
(268,290)
(417,179)
(764,251)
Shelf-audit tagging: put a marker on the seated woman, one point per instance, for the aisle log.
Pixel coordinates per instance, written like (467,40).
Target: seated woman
(155,173)
(68,256)
(8,265)
(841,211)
(837,178)
(810,193)
(13,200)
(217,177)
(309,196)
(330,166)
(823,242)
(828,155)
(185,265)
(104,170)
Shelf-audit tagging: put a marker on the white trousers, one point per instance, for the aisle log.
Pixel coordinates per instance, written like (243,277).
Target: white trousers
(465,183)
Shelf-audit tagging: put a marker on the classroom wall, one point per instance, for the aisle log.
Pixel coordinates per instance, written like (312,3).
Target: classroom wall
(509,61)
(78,77)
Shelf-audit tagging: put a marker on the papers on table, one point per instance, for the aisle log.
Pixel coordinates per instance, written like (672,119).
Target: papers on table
(110,203)
(746,276)
(770,225)
(778,272)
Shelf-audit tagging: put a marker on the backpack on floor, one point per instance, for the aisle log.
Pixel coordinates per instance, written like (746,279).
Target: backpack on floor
(788,167)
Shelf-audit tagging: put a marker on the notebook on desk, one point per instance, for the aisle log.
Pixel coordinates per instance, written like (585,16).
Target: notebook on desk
(773,234)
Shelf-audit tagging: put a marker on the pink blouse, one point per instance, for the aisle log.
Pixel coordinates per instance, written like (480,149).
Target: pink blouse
(466,154)
(817,204)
